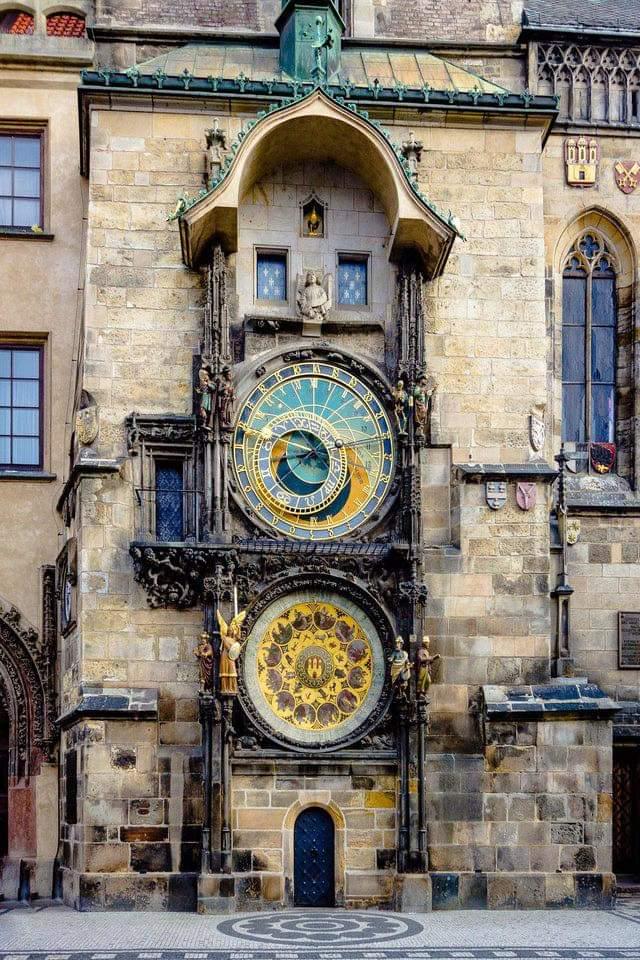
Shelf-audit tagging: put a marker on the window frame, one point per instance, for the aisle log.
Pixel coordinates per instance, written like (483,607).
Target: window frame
(354,256)
(283,252)
(29,467)
(31,130)
(586,269)
(175,456)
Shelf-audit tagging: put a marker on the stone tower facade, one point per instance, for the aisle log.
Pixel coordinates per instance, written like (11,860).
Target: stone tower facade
(347,589)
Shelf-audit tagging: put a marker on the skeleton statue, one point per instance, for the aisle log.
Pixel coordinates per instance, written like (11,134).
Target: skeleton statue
(230,650)
(204,655)
(400,667)
(400,406)
(314,299)
(424,660)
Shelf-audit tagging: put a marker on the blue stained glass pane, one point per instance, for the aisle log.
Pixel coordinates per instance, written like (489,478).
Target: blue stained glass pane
(169,501)
(5,449)
(602,415)
(603,354)
(603,307)
(5,363)
(573,413)
(271,280)
(352,282)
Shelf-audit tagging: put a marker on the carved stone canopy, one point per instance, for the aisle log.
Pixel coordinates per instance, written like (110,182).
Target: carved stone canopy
(317,128)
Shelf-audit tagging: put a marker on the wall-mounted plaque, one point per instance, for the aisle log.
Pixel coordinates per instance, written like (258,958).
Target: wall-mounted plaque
(629,641)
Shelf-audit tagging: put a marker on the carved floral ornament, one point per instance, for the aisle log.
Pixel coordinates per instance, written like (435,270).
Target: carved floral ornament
(324,124)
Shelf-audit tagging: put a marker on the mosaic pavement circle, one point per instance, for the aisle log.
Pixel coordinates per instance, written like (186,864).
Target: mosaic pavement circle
(321,928)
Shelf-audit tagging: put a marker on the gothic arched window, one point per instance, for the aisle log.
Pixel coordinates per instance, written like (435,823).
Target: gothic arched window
(589,348)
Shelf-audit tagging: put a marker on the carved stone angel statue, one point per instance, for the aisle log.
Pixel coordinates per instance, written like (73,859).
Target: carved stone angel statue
(230,650)
(314,298)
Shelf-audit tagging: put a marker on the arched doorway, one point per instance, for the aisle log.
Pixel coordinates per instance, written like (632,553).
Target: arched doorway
(314,859)
(4,782)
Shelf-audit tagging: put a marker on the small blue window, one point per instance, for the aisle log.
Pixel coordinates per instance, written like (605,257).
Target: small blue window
(271,276)
(352,281)
(169,500)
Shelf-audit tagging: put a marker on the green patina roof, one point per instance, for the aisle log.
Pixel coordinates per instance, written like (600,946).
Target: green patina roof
(361,66)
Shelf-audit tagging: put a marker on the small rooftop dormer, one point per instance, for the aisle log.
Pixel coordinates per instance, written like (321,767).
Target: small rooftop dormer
(310,40)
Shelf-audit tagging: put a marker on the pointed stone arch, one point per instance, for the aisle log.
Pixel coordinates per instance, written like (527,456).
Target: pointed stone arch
(610,230)
(26,689)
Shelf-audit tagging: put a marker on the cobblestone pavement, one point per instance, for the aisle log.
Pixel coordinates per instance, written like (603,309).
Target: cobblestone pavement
(58,933)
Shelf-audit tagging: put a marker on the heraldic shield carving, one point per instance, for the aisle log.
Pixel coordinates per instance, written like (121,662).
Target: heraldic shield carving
(626,173)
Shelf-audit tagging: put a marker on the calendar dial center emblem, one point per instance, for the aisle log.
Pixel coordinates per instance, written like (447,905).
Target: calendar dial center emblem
(313,451)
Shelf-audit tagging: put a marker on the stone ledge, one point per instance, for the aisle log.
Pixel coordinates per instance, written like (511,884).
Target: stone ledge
(548,701)
(479,472)
(125,702)
(87,468)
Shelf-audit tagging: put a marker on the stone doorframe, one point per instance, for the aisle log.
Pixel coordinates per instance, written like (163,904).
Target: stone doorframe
(288,827)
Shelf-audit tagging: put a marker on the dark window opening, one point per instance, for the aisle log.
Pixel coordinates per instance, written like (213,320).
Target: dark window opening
(21,181)
(169,499)
(71,787)
(20,407)
(589,344)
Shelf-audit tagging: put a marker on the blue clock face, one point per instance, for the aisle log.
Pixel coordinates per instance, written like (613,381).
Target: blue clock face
(313,451)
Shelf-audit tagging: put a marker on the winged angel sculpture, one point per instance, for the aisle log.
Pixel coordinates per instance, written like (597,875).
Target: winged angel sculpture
(230,649)
(314,297)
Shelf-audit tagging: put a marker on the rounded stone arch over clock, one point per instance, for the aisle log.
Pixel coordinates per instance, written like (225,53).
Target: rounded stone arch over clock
(314,449)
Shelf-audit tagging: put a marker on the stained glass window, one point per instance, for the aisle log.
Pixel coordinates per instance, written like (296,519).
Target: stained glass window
(352,281)
(169,500)
(20,195)
(271,276)
(20,403)
(589,343)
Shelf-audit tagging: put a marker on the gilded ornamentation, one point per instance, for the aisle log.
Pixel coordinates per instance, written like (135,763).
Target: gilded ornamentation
(573,530)
(581,156)
(314,666)
(424,662)
(400,667)
(230,650)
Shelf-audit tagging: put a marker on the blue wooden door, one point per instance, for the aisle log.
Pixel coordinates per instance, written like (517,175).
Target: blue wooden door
(314,859)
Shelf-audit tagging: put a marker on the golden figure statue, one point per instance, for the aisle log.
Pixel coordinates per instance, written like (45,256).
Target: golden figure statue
(423,665)
(400,666)
(230,650)
(204,655)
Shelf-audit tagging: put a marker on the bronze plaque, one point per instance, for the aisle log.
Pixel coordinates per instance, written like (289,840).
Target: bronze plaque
(629,641)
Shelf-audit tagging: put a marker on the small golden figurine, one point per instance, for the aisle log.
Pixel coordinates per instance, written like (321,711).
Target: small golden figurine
(423,665)
(204,655)
(230,650)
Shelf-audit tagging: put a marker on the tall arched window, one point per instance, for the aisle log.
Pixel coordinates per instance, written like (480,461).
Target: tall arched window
(589,348)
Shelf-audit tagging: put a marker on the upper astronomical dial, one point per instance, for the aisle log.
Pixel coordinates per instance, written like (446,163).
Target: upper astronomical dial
(313,451)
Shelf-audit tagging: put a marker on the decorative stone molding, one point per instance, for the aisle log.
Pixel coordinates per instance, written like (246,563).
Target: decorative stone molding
(595,84)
